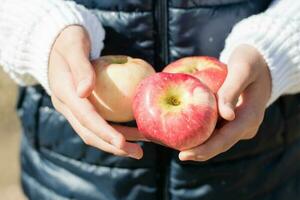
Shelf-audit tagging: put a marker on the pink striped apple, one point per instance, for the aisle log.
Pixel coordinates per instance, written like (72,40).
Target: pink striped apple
(175,110)
(209,70)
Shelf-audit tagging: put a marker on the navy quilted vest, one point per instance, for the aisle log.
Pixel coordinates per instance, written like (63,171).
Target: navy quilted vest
(57,165)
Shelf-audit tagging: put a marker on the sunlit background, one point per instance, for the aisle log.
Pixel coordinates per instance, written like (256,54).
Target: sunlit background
(9,141)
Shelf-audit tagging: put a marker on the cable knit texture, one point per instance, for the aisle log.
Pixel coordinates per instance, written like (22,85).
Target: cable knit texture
(29,29)
(276,34)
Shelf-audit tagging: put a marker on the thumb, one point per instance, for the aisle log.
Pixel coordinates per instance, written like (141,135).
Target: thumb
(82,71)
(237,80)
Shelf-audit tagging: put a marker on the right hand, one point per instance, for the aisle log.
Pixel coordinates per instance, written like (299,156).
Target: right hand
(72,80)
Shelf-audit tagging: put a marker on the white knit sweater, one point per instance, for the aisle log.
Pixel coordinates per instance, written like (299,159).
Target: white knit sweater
(28,29)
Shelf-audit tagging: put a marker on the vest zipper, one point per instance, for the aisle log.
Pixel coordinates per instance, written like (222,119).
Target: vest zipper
(162,21)
(163,30)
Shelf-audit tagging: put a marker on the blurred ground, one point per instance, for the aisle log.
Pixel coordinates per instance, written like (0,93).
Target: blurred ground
(9,141)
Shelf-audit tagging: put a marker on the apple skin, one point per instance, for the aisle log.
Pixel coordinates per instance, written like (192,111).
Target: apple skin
(207,69)
(117,78)
(175,110)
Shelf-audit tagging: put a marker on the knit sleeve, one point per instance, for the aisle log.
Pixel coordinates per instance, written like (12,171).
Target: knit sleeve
(276,35)
(28,29)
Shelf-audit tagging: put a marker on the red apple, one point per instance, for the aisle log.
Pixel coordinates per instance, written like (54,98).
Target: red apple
(117,78)
(209,70)
(175,110)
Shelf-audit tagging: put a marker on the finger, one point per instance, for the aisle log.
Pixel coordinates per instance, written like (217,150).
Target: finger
(130,133)
(67,94)
(130,149)
(59,73)
(218,143)
(238,78)
(82,70)
(89,118)
(249,116)
(222,139)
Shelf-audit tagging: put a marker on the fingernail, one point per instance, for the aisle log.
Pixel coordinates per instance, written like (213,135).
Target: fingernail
(83,84)
(186,156)
(230,110)
(134,154)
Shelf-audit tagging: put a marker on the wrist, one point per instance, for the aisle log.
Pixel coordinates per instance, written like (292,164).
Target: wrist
(278,47)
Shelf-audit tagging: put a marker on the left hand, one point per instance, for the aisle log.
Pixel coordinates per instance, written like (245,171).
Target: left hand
(242,101)
(72,80)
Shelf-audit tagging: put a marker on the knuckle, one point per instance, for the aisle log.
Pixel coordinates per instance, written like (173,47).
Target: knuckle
(260,119)
(83,121)
(256,119)
(225,147)
(60,92)
(79,116)
(85,117)
(249,135)
(87,140)
(226,143)
(106,137)
(257,122)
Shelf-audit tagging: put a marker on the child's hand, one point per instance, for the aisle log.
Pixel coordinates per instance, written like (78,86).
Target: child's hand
(72,79)
(248,78)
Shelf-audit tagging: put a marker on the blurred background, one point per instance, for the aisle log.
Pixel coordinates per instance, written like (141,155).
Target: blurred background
(9,141)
